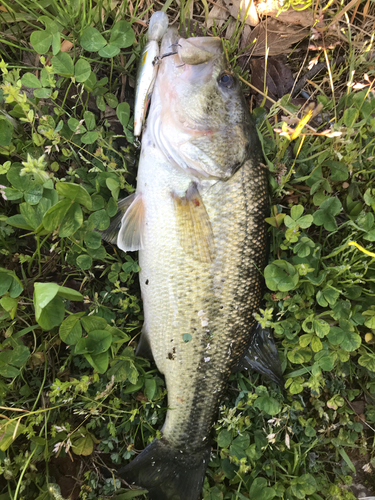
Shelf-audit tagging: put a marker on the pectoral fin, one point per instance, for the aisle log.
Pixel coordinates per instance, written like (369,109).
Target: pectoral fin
(130,236)
(195,232)
(111,233)
(263,356)
(127,227)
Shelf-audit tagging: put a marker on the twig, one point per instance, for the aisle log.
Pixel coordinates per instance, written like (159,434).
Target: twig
(341,13)
(310,74)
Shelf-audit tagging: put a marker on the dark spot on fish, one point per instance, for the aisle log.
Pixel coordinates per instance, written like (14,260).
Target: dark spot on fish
(221,307)
(196,202)
(147,282)
(170,356)
(174,350)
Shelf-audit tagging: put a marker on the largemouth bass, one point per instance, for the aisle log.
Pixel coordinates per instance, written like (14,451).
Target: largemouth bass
(197,219)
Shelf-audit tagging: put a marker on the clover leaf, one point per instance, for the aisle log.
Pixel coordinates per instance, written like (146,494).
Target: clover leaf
(325,216)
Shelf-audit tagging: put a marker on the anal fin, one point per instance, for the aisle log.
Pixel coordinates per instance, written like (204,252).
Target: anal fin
(195,231)
(111,233)
(262,356)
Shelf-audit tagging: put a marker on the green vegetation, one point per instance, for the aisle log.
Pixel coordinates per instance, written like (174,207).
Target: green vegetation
(71,387)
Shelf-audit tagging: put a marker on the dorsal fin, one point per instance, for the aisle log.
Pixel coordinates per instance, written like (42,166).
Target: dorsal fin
(130,236)
(111,233)
(195,232)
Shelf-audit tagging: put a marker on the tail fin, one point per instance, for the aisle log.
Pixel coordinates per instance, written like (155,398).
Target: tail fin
(167,473)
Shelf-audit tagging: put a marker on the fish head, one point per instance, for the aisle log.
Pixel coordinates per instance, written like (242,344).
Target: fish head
(204,124)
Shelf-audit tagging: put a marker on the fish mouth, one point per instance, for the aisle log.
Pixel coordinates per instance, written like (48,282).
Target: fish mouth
(192,51)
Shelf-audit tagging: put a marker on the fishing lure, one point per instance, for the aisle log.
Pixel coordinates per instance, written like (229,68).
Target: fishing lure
(147,70)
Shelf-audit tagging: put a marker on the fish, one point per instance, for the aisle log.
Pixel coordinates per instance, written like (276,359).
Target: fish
(197,218)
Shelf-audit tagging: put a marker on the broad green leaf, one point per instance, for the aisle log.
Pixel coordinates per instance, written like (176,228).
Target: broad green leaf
(90,137)
(350,116)
(100,104)
(303,485)
(296,211)
(150,388)
(42,93)
(299,355)
(93,239)
(84,261)
(76,126)
(74,192)
(280,275)
(9,430)
(56,43)
(92,40)
(122,35)
(99,362)
(109,51)
(55,214)
(367,360)
(268,405)
(224,438)
(316,344)
(34,194)
(43,294)
(9,282)
(91,323)
(62,64)
(6,132)
(70,330)
(335,402)
(348,341)
(100,220)
(41,41)
(18,181)
(328,295)
(31,81)
(89,120)
(5,282)
(72,221)
(111,100)
(52,315)
(83,445)
(69,293)
(123,113)
(321,327)
(32,214)
(259,490)
(339,171)
(16,357)
(50,25)
(82,70)
(303,247)
(325,216)
(10,305)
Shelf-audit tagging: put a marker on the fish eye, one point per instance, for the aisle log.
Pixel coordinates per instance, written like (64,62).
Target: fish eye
(226,80)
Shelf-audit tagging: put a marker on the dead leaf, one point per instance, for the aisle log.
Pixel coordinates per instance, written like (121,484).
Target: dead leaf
(66,45)
(244,36)
(237,9)
(275,36)
(217,15)
(231,28)
(279,77)
(291,16)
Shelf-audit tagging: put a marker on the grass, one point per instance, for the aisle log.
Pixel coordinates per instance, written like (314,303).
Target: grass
(67,154)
